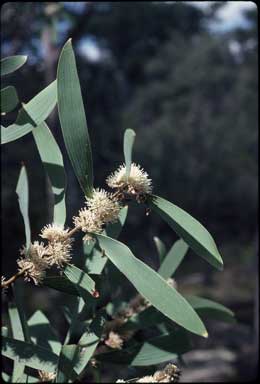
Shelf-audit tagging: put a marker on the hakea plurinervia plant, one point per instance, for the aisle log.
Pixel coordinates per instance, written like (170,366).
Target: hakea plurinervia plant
(110,330)
(101,208)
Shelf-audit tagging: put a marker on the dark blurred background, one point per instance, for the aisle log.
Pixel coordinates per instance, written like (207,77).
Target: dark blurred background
(184,76)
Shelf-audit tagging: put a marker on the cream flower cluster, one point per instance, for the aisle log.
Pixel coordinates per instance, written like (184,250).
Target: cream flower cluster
(137,182)
(101,209)
(33,262)
(170,374)
(46,376)
(38,258)
(114,340)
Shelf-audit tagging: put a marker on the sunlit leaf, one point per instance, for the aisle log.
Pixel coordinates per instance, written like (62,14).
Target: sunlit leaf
(161,249)
(73,120)
(82,281)
(52,159)
(22,190)
(129,138)
(189,229)
(41,332)
(29,354)
(11,64)
(68,359)
(9,99)
(152,286)
(210,309)
(173,259)
(32,114)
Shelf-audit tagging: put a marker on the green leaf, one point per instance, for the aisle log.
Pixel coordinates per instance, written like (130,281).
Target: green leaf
(42,334)
(52,159)
(20,307)
(73,120)
(11,64)
(189,229)
(90,339)
(83,282)
(161,249)
(173,259)
(95,260)
(114,229)
(144,319)
(17,332)
(9,99)
(129,138)
(61,283)
(29,354)
(32,114)
(4,331)
(153,351)
(210,309)
(22,190)
(6,378)
(68,359)
(152,286)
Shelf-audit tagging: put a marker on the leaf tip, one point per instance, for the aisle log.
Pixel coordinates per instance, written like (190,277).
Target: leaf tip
(205,334)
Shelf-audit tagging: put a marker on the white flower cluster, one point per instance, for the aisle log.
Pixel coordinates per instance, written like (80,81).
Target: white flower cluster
(101,209)
(46,376)
(59,246)
(33,262)
(38,258)
(170,374)
(114,340)
(137,183)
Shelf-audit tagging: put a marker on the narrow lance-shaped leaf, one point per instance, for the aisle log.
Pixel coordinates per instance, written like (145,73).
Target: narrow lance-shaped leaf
(173,259)
(12,63)
(52,159)
(83,282)
(68,359)
(90,339)
(152,286)
(189,229)
(29,354)
(161,249)
(42,334)
(17,331)
(73,120)
(210,309)
(22,190)
(129,138)
(9,99)
(32,114)
(155,350)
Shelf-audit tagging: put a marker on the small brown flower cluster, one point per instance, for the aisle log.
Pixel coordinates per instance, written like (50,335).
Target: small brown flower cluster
(38,258)
(170,374)
(116,336)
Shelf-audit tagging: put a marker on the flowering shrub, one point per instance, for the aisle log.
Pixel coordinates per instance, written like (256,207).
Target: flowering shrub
(100,330)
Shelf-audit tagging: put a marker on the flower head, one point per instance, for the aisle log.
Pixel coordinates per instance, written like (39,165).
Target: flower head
(103,206)
(46,376)
(59,252)
(34,262)
(114,340)
(88,222)
(54,232)
(137,182)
